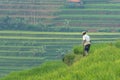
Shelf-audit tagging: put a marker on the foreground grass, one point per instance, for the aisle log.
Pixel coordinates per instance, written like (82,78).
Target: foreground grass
(101,64)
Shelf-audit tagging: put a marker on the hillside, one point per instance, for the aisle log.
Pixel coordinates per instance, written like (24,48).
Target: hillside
(21,50)
(101,64)
(24,14)
(59,15)
(58,27)
(35,31)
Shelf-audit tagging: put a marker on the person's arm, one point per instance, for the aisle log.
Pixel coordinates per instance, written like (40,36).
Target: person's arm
(84,40)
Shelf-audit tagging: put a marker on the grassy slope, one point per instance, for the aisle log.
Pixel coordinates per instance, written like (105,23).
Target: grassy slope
(101,64)
(19,49)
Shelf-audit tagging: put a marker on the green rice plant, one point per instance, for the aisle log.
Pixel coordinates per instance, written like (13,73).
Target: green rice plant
(103,6)
(78,50)
(69,58)
(110,4)
(117,43)
(91,16)
(86,9)
(39,72)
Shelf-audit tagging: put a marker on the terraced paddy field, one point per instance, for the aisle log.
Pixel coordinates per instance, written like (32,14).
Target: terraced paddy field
(21,50)
(58,15)
(97,15)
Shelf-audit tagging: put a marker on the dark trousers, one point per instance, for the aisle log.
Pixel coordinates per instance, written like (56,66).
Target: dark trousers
(87,47)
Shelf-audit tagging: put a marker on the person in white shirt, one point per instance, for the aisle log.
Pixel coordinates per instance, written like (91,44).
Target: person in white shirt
(86,43)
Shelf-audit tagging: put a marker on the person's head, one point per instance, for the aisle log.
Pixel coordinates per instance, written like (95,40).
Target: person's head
(84,32)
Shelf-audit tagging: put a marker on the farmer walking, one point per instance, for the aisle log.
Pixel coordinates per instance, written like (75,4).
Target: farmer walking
(86,43)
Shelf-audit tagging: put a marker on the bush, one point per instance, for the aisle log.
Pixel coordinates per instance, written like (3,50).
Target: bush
(117,44)
(69,58)
(78,50)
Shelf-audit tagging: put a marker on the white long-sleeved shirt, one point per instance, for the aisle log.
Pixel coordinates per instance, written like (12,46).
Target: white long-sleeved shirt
(86,38)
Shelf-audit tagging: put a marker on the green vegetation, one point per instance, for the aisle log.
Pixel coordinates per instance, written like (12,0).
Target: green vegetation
(102,63)
(58,29)
(28,15)
(25,49)
(103,14)
(59,16)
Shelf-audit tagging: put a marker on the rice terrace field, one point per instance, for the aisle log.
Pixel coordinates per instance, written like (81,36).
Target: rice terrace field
(33,32)
(21,50)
